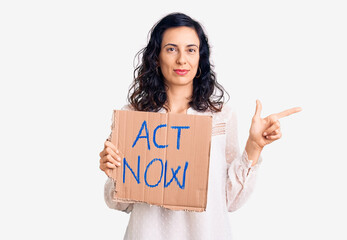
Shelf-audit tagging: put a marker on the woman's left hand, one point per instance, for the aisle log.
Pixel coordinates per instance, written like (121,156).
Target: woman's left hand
(264,131)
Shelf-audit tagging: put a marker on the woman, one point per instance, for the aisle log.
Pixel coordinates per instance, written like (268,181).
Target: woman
(175,76)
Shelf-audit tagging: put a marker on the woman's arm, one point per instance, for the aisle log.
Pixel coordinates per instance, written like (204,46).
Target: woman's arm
(241,168)
(253,151)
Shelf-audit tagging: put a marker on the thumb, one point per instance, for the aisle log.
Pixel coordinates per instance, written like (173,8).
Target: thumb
(258,109)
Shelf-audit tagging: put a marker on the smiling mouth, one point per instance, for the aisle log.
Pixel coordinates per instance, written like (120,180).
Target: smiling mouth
(181,71)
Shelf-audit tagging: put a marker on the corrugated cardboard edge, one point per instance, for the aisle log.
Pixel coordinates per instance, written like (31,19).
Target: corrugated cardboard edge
(209,157)
(171,207)
(115,117)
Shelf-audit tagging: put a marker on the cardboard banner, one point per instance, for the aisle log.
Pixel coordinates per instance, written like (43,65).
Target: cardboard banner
(165,158)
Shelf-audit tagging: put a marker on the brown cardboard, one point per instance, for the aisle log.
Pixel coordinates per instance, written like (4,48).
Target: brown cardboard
(189,154)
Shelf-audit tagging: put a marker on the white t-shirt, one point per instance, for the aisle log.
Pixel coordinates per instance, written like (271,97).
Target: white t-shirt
(231,181)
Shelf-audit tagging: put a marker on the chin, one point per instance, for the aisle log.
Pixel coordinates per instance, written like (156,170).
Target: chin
(180,82)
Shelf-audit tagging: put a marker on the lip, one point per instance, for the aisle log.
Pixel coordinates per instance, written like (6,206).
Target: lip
(181,72)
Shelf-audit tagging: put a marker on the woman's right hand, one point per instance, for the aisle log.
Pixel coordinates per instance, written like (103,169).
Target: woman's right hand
(109,158)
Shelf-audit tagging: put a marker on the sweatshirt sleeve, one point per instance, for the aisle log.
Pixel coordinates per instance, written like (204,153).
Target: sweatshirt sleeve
(241,175)
(110,185)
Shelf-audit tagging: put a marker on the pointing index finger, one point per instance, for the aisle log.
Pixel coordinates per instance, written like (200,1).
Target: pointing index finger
(288,112)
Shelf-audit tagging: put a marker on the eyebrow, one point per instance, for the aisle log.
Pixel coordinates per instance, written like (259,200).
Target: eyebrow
(174,45)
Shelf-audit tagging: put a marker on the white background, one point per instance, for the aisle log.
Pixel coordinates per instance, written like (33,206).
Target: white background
(65,65)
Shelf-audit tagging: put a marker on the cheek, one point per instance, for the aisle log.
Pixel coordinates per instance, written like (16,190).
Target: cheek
(195,61)
(164,62)
(165,68)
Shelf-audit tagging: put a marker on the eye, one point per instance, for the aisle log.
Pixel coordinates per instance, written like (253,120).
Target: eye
(191,50)
(170,49)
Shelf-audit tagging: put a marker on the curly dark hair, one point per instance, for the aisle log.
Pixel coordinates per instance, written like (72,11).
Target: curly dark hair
(148,90)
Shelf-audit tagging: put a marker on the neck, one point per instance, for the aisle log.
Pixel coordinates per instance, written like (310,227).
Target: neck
(178,98)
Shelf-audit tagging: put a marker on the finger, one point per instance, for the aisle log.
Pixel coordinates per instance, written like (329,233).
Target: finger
(258,109)
(288,112)
(274,137)
(276,125)
(111,145)
(110,165)
(110,159)
(110,151)
(276,132)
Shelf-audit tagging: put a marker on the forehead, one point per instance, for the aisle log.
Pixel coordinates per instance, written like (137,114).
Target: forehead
(180,36)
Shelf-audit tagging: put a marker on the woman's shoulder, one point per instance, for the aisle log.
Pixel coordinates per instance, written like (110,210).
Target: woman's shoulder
(226,112)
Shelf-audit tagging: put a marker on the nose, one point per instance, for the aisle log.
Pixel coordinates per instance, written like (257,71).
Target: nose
(181,59)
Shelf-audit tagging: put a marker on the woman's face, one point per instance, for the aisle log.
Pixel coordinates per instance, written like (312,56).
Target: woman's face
(179,56)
